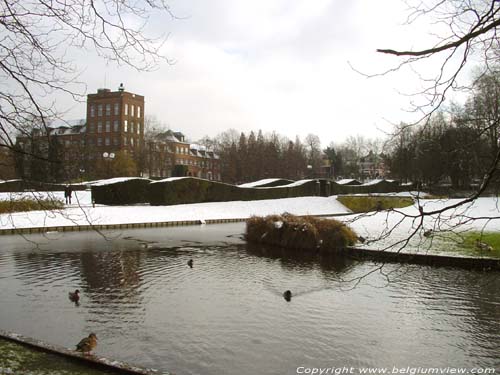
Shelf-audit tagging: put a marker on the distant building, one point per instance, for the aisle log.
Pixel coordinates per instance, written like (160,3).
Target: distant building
(114,125)
(115,122)
(168,151)
(372,166)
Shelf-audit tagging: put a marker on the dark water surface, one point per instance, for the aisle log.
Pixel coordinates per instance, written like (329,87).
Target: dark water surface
(226,315)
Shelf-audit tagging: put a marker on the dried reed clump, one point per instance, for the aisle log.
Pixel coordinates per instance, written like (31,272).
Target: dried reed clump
(296,232)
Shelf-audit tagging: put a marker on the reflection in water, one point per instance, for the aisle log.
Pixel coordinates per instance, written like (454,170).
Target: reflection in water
(228,313)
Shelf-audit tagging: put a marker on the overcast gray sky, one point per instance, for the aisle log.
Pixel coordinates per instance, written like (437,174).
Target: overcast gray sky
(275,65)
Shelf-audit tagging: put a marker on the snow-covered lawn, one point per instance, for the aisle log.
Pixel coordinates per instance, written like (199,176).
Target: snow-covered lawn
(390,230)
(382,229)
(84,213)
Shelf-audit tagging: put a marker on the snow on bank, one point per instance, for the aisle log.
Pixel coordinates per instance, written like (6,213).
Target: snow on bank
(101,215)
(382,229)
(389,229)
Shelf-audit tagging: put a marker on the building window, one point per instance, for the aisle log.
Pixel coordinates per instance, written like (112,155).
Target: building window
(124,141)
(107,141)
(138,127)
(99,126)
(108,126)
(99,110)
(132,142)
(125,125)
(108,109)
(91,127)
(138,112)
(116,141)
(117,109)
(115,126)
(92,111)
(132,107)
(99,141)
(126,109)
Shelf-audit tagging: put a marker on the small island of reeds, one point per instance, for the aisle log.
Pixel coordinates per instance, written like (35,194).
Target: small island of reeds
(296,232)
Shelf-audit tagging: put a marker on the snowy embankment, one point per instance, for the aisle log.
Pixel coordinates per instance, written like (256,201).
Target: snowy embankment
(84,214)
(382,229)
(393,230)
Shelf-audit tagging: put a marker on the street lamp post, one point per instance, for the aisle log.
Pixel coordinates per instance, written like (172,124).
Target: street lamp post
(108,158)
(82,171)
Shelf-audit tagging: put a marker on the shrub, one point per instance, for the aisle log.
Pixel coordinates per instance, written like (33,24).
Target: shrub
(295,232)
(196,190)
(29,204)
(121,191)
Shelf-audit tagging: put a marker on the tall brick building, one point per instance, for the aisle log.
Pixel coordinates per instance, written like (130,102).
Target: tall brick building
(115,122)
(114,126)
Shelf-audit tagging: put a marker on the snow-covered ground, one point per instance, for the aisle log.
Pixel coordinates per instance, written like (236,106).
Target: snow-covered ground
(381,229)
(391,230)
(81,211)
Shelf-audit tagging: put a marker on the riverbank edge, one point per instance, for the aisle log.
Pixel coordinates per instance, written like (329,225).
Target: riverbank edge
(485,264)
(158,224)
(93,361)
(434,260)
(98,227)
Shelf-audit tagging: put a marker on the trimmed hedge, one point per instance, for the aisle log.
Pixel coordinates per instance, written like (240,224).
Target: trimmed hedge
(195,190)
(12,186)
(131,191)
(15,186)
(380,187)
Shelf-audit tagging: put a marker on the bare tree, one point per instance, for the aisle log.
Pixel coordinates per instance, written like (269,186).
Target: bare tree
(466,32)
(38,36)
(472,31)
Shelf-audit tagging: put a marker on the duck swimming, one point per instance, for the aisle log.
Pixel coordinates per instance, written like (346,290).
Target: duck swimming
(287,295)
(190,263)
(87,344)
(74,296)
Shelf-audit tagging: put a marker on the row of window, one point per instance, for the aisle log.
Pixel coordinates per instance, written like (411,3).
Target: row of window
(105,109)
(106,141)
(106,127)
(182,150)
(197,163)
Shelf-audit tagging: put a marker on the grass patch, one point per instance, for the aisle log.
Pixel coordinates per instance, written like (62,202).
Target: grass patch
(367,203)
(491,238)
(29,204)
(290,231)
(464,244)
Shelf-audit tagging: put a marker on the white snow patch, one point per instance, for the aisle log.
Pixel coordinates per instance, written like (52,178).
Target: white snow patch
(259,183)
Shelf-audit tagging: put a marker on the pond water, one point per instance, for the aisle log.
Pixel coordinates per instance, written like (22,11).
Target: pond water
(227,315)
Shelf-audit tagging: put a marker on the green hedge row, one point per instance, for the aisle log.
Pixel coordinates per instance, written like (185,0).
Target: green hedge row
(195,190)
(129,191)
(13,186)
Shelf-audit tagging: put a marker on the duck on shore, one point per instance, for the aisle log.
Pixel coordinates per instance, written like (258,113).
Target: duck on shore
(483,246)
(87,344)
